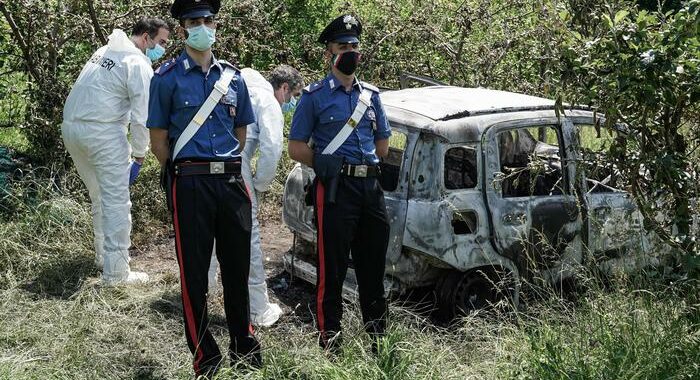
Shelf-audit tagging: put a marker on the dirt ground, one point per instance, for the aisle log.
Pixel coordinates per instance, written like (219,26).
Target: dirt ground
(294,296)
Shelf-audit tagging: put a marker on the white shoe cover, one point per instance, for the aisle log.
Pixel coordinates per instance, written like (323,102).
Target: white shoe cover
(269,317)
(132,278)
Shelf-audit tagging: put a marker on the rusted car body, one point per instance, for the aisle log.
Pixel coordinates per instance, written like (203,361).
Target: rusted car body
(484,185)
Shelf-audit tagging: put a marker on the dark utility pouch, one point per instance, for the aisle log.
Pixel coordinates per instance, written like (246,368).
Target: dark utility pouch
(167,176)
(327,168)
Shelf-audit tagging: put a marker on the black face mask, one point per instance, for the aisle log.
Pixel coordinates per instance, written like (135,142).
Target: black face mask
(346,62)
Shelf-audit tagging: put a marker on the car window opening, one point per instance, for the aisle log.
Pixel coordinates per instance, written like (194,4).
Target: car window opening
(530,166)
(391,164)
(602,175)
(460,168)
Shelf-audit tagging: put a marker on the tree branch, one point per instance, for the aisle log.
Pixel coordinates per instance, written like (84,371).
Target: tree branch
(376,45)
(131,11)
(96,22)
(21,41)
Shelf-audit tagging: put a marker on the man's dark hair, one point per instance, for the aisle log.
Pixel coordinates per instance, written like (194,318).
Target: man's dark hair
(150,25)
(286,74)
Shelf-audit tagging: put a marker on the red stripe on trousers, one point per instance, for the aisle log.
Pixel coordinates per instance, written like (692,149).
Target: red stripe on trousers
(247,190)
(185,294)
(320,191)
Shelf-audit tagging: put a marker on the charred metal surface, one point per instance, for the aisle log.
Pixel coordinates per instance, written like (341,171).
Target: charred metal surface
(295,214)
(442,220)
(549,235)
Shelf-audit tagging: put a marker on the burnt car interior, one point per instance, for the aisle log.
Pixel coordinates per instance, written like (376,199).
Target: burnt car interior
(531,166)
(460,168)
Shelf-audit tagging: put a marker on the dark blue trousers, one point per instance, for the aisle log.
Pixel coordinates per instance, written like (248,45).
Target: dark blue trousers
(208,207)
(356,222)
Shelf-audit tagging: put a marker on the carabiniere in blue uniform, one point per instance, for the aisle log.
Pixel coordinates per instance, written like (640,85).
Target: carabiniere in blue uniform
(349,209)
(324,108)
(208,197)
(179,88)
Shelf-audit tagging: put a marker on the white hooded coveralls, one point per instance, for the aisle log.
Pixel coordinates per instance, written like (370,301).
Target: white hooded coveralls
(110,93)
(267,135)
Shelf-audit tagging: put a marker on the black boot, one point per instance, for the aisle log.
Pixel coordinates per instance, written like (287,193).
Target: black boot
(245,350)
(331,342)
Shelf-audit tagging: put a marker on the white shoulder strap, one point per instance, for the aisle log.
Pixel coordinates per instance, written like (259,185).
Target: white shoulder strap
(339,139)
(220,89)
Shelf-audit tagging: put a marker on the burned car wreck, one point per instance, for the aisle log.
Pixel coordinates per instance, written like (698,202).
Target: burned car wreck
(485,188)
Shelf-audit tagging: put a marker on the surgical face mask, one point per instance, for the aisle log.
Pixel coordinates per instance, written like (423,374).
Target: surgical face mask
(346,62)
(155,53)
(201,37)
(290,105)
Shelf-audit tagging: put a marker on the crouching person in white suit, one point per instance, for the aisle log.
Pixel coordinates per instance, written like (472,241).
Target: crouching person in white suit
(270,100)
(110,94)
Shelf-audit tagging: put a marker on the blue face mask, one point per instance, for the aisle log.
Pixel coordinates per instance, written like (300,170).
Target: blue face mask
(155,53)
(201,37)
(290,105)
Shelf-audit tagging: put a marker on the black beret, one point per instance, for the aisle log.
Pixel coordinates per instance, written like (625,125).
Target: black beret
(345,28)
(194,8)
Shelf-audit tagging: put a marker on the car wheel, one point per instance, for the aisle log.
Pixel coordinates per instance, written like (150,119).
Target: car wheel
(461,293)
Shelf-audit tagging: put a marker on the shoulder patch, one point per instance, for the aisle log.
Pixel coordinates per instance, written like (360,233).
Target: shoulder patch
(370,87)
(313,86)
(165,67)
(226,63)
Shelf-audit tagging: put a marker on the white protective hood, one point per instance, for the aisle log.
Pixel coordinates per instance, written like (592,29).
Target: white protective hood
(119,41)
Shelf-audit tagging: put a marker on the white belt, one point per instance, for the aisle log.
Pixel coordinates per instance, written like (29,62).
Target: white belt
(339,139)
(220,89)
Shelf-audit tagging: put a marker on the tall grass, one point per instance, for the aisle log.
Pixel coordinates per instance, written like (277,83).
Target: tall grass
(42,228)
(57,322)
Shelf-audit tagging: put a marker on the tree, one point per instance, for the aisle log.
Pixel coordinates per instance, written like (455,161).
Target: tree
(642,69)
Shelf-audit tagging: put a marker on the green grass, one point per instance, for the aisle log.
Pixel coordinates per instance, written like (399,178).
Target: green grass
(622,334)
(57,322)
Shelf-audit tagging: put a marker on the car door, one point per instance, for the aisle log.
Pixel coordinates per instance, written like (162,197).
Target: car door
(394,181)
(613,222)
(535,216)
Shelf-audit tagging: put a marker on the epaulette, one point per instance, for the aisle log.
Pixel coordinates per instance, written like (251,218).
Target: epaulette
(226,63)
(369,87)
(165,67)
(313,86)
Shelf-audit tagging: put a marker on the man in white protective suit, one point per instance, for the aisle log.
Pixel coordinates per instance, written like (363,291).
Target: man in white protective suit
(110,94)
(270,100)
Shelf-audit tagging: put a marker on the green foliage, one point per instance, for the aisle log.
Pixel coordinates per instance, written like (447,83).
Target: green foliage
(641,69)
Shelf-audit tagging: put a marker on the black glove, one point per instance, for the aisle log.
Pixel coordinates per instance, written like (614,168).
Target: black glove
(167,174)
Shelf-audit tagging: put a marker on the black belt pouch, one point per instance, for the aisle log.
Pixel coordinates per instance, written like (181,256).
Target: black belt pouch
(327,168)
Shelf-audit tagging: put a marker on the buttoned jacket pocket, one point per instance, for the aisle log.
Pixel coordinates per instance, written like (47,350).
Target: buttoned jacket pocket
(331,117)
(186,106)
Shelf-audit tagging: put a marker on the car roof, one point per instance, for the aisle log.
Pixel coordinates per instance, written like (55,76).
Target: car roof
(459,113)
(449,102)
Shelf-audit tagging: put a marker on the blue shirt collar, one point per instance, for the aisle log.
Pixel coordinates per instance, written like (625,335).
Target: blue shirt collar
(188,63)
(334,83)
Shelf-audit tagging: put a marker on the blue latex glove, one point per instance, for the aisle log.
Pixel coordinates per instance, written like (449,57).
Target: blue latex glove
(134,169)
